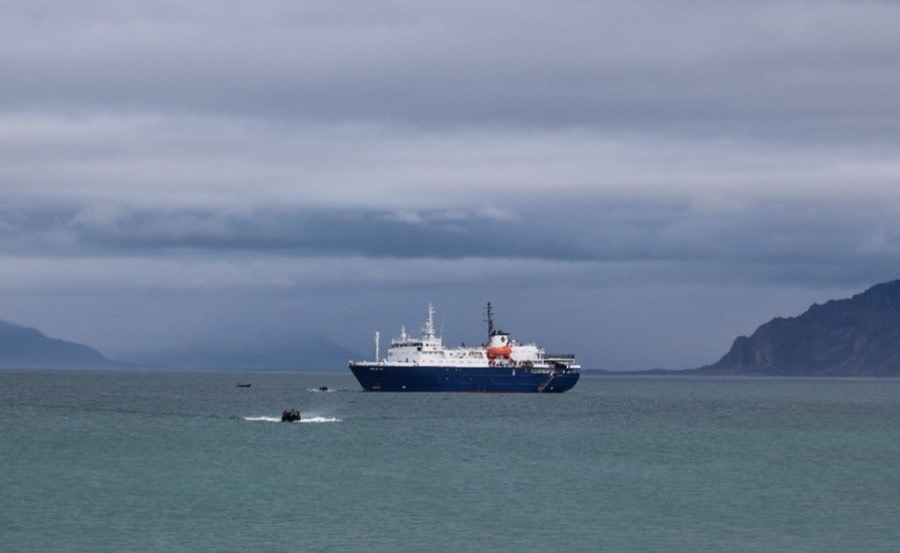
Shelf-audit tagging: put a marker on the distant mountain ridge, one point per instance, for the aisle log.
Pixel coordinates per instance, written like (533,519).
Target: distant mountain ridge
(22,347)
(300,352)
(859,336)
(855,337)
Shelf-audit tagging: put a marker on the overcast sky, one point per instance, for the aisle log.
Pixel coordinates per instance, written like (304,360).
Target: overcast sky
(635,182)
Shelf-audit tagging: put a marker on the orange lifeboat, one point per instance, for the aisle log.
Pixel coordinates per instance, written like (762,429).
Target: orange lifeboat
(499,351)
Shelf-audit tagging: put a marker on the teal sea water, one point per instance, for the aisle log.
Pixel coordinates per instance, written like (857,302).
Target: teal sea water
(94,461)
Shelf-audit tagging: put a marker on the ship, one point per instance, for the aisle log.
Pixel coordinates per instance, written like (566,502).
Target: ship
(500,365)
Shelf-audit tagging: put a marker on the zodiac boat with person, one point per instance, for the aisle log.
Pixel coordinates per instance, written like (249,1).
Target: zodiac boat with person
(500,365)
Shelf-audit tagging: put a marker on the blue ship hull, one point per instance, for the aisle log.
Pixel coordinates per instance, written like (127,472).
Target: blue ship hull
(393,378)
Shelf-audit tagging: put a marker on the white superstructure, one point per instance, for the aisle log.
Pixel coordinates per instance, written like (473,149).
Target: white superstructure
(500,351)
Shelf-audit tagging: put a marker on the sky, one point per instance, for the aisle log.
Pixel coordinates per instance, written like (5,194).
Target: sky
(635,182)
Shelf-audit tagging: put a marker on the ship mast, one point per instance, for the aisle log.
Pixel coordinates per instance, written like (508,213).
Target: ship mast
(428,330)
(490,320)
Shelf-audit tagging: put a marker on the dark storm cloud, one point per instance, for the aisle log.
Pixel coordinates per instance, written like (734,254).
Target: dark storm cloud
(448,235)
(310,233)
(812,242)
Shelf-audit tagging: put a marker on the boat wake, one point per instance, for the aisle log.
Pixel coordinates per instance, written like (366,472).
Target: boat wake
(307,420)
(262,419)
(321,419)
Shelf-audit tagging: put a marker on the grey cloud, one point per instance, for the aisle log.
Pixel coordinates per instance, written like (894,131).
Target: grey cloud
(768,68)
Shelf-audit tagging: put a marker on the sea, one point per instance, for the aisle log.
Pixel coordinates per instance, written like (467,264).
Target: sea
(147,461)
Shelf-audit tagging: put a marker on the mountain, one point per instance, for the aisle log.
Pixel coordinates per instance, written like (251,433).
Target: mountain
(301,352)
(22,347)
(859,336)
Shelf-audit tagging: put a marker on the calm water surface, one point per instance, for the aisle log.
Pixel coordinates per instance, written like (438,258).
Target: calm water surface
(141,461)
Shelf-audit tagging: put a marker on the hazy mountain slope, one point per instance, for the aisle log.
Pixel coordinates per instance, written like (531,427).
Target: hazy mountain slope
(25,348)
(859,336)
